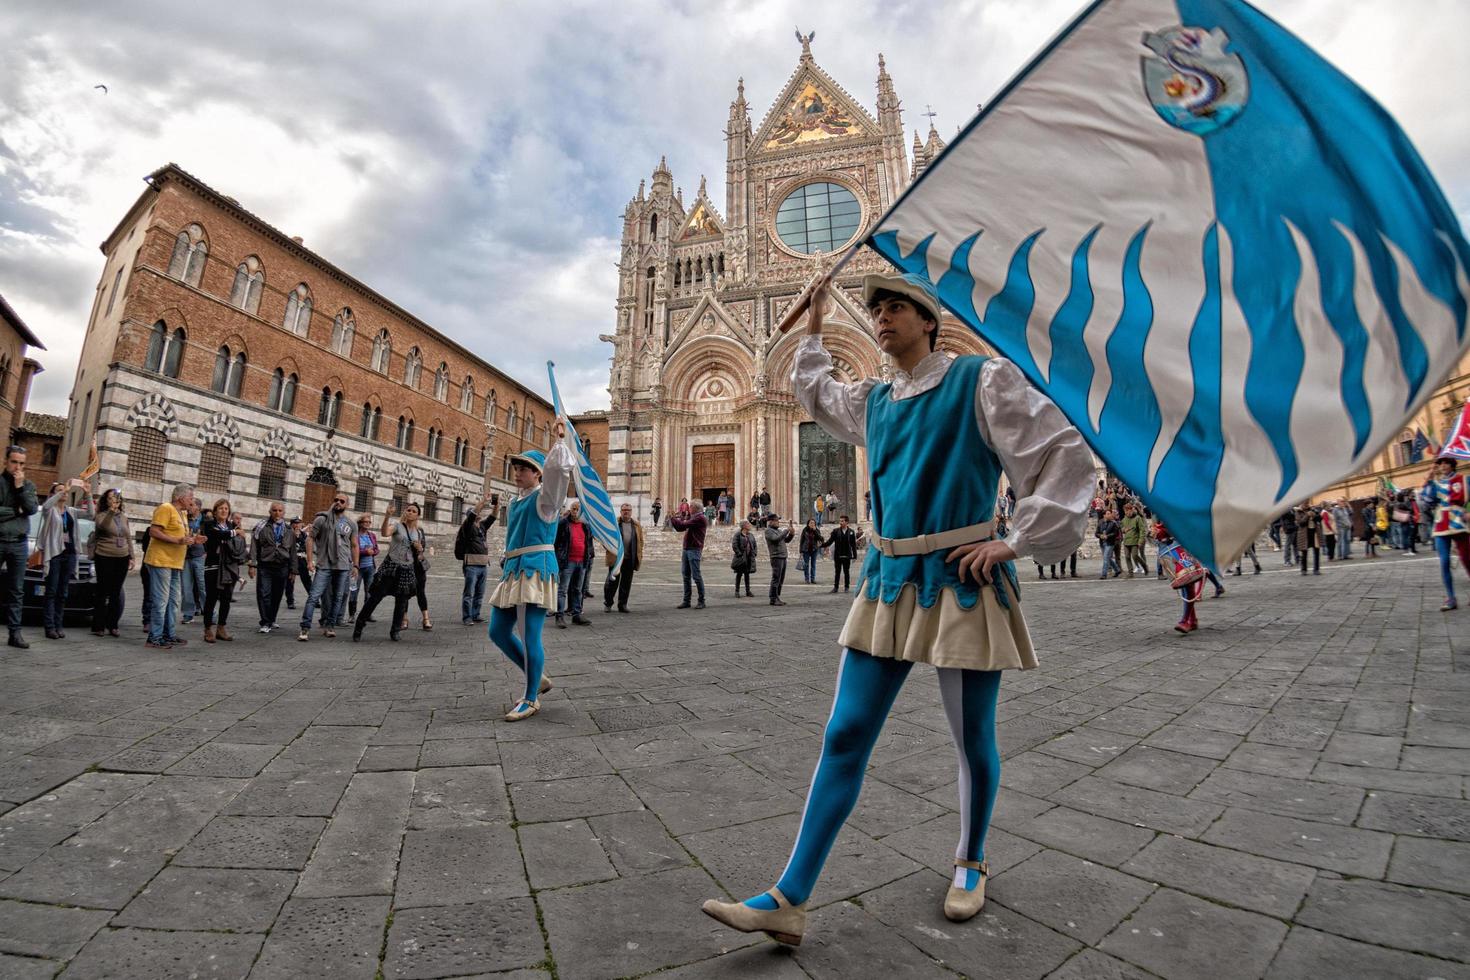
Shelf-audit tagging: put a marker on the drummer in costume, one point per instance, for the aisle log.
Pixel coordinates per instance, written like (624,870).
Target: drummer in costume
(1445,492)
(1186,575)
(936,587)
(528,580)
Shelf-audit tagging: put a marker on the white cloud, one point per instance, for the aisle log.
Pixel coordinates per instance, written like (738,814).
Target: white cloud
(472,161)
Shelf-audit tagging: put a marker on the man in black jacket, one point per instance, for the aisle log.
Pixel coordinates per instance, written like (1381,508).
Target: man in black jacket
(17,504)
(272,559)
(843,542)
(574,563)
(470,548)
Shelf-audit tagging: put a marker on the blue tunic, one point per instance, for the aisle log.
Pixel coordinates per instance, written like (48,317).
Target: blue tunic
(931,471)
(525,528)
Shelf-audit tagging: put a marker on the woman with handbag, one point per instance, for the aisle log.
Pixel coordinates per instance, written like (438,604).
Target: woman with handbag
(56,548)
(225,550)
(811,543)
(420,579)
(112,558)
(396,576)
(743,563)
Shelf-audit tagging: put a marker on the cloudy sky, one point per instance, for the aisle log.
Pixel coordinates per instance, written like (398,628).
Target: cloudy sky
(472,160)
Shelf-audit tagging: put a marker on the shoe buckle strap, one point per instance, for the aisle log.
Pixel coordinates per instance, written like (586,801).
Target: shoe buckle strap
(981,866)
(781,901)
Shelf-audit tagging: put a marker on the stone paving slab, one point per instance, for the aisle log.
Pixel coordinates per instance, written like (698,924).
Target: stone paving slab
(1282,794)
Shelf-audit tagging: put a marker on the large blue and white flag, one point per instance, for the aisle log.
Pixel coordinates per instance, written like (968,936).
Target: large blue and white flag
(1219,256)
(597,507)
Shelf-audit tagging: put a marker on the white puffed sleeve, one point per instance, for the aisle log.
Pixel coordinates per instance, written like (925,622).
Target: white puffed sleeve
(1045,458)
(556,476)
(841,409)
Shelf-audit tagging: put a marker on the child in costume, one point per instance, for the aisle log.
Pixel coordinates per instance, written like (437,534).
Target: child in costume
(528,581)
(1445,495)
(1186,574)
(936,587)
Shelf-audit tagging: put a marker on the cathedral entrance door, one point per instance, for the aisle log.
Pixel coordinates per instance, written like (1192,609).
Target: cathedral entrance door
(320,486)
(826,464)
(714,472)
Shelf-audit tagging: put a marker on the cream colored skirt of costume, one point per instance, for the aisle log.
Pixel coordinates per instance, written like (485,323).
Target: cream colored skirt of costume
(987,637)
(530,590)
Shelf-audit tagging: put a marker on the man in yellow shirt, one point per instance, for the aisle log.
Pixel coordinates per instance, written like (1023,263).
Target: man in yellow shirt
(164,563)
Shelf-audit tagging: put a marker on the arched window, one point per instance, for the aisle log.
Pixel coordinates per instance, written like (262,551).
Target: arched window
(343,327)
(147,449)
(273,396)
(653,226)
(165,350)
(483,459)
(249,281)
(366,428)
(298,310)
(329,409)
(402,427)
(490,407)
(220,380)
(412,365)
(236,378)
(441,382)
(382,352)
(214,468)
(530,432)
(190,251)
(458,451)
(435,438)
(467,395)
(363,499)
(272,484)
(510,419)
(408,438)
(288,394)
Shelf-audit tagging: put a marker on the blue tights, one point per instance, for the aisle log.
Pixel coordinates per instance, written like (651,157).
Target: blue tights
(866,689)
(525,650)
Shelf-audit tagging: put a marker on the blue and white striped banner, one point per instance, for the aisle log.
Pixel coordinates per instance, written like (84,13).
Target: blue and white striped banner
(1220,257)
(597,507)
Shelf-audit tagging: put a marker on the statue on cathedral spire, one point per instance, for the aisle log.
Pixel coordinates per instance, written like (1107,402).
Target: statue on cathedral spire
(806,43)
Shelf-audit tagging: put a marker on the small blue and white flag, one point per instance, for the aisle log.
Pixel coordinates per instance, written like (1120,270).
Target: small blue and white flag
(597,507)
(1220,257)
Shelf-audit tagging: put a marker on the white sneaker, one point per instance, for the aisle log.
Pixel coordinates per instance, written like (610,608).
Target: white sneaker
(303,636)
(263,630)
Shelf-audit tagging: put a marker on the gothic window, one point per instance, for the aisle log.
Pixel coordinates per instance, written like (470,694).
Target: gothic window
(398,439)
(405,433)
(412,365)
(818,217)
(165,349)
(343,327)
(530,432)
(433,444)
(377,424)
(237,375)
(382,352)
(147,449)
(363,499)
(249,281)
(187,261)
(467,395)
(431,507)
(366,428)
(678,274)
(288,394)
(272,485)
(441,382)
(653,226)
(510,419)
(720,265)
(214,468)
(457,444)
(273,396)
(229,373)
(490,407)
(112,295)
(298,310)
(329,409)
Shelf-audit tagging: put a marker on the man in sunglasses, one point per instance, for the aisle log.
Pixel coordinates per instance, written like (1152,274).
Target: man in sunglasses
(331,560)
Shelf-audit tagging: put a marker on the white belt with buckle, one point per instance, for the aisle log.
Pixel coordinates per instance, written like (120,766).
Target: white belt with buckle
(517,552)
(940,541)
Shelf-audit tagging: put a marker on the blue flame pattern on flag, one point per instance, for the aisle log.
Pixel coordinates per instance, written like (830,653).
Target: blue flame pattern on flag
(1220,257)
(597,507)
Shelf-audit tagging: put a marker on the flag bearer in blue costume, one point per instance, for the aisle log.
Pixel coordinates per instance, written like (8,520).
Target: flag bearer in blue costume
(528,580)
(936,586)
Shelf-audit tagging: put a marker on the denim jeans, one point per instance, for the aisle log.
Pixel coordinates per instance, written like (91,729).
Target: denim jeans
(13,556)
(165,587)
(329,589)
(270,585)
(1109,561)
(474,592)
(569,589)
(358,591)
(808,566)
(193,586)
(58,586)
(1345,543)
(689,565)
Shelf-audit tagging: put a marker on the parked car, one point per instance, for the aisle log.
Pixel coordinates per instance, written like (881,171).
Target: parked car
(83,583)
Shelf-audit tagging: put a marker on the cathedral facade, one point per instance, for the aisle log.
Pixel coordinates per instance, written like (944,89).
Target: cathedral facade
(701,394)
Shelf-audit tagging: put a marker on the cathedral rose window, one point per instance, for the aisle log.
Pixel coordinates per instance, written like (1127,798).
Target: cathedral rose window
(818,217)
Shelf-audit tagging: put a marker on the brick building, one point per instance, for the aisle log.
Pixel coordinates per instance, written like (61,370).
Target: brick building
(41,437)
(16,369)
(223,352)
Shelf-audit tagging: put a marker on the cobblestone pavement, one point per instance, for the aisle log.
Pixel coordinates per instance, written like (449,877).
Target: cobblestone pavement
(1281,794)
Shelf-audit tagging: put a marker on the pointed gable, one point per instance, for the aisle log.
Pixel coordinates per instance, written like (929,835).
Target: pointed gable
(811,108)
(703,221)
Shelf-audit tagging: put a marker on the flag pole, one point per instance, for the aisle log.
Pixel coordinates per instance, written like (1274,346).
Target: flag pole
(804,298)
